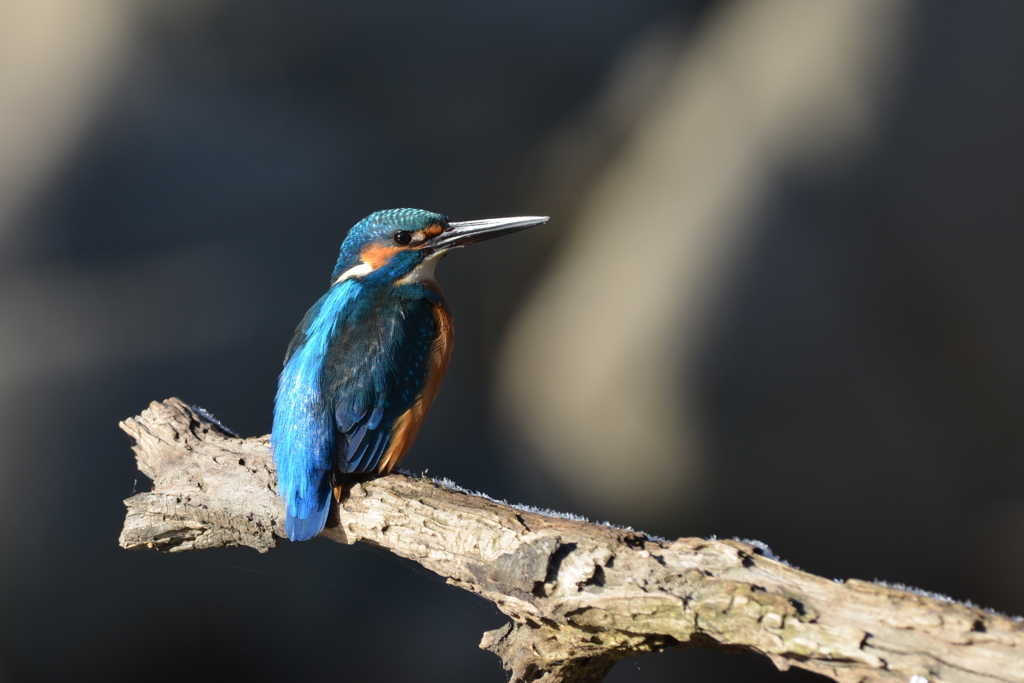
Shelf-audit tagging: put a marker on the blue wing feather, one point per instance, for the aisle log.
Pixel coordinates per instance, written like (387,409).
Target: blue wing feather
(303,437)
(381,367)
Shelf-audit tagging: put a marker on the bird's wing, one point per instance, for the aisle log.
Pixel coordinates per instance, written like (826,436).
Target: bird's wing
(303,438)
(376,371)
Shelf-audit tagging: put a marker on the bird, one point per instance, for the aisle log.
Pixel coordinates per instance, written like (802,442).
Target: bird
(367,359)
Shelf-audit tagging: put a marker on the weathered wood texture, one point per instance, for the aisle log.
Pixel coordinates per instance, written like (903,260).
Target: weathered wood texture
(581,596)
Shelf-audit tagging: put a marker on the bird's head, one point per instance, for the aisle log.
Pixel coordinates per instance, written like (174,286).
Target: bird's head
(404,245)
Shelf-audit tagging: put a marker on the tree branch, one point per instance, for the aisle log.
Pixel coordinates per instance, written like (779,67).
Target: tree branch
(581,596)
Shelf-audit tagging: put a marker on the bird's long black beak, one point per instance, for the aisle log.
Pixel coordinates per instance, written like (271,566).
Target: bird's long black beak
(467,232)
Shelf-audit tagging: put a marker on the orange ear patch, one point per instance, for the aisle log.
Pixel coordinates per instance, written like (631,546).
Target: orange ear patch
(376,255)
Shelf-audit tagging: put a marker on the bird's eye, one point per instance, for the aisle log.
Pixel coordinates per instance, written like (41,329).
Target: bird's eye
(402,238)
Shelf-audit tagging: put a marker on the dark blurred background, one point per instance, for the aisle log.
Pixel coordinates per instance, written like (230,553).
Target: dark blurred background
(780,297)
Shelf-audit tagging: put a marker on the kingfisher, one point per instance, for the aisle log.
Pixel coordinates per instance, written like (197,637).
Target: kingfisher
(366,361)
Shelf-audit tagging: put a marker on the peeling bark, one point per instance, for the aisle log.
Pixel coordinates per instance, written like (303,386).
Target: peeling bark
(581,596)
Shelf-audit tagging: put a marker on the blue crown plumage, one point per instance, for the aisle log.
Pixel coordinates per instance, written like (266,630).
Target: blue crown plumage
(381,225)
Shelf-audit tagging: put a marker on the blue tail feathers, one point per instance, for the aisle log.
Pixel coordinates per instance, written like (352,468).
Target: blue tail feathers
(305,528)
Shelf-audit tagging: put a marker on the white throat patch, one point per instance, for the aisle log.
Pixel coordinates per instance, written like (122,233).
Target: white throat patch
(424,272)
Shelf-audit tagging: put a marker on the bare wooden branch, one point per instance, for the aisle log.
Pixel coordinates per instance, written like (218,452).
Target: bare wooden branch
(581,596)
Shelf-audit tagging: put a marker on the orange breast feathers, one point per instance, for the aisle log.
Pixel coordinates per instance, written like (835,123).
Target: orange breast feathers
(403,433)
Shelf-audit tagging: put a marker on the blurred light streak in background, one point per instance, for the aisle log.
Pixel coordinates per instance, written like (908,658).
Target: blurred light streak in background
(595,374)
(59,61)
